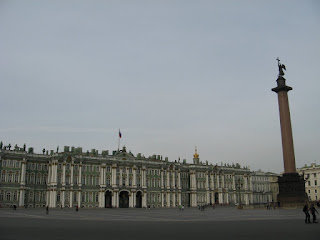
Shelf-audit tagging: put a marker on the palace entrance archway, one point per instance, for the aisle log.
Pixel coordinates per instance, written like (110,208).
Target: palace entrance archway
(216,197)
(139,199)
(123,199)
(108,199)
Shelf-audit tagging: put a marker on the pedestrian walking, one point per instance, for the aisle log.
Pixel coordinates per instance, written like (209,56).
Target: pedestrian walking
(306,212)
(47,210)
(313,211)
(77,208)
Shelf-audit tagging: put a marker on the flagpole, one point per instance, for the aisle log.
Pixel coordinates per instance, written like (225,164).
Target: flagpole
(119,140)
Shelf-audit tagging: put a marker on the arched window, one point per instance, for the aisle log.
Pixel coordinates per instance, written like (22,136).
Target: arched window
(118,180)
(16,177)
(97,197)
(8,196)
(108,181)
(44,181)
(32,176)
(1,195)
(10,177)
(97,181)
(3,176)
(75,179)
(58,197)
(27,178)
(68,179)
(38,178)
(84,180)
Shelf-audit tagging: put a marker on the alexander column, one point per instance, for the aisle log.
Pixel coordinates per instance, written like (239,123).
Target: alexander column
(291,184)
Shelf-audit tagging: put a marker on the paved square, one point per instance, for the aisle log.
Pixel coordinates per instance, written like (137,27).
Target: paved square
(222,222)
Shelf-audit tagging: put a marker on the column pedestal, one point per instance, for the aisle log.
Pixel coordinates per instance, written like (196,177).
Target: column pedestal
(291,190)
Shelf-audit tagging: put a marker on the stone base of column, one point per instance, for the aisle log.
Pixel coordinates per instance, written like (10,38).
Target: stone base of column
(292,191)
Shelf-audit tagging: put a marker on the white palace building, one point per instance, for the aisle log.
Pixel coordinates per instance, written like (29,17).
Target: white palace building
(74,178)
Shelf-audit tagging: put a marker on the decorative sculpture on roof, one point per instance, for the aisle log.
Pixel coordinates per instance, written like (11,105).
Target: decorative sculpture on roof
(281,67)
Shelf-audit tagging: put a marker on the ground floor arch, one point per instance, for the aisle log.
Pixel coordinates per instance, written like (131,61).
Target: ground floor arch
(216,197)
(108,199)
(139,199)
(123,199)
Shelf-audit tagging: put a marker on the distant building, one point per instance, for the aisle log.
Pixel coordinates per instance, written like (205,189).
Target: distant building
(312,179)
(121,179)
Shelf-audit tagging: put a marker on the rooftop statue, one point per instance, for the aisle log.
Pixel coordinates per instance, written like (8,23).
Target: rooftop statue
(281,67)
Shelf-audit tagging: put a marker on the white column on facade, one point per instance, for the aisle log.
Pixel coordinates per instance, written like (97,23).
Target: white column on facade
(114,176)
(134,173)
(144,177)
(161,183)
(134,199)
(218,181)
(127,177)
(227,197)
(62,197)
(222,181)
(64,174)
(120,179)
(162,199)
(49,174)
(168,199)
(179,198)
(221,197)
(168,179)
(21,197)
(173,199)
(173,179)
(179,181)
(207,181)
(102,168)
(245,182)
(79,198)
(71,198)
(233,182)
(23,172)
(144,199)
(212,180)
(80,177)
(71,177)
(208,197)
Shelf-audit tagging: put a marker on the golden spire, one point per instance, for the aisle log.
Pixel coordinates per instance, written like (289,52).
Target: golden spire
(196,155)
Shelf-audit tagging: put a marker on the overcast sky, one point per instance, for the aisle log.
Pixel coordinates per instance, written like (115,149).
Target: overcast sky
(171,75)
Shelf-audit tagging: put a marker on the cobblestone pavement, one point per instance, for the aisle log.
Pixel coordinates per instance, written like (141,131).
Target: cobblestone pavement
(227,222)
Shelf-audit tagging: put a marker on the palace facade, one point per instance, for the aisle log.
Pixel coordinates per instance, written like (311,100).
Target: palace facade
(121,179)
(312,181)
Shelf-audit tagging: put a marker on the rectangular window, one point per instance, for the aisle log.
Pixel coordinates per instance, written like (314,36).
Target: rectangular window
(315,182)
(315,175)
(309,184)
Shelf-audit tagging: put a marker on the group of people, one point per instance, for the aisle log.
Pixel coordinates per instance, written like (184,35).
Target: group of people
(312,210)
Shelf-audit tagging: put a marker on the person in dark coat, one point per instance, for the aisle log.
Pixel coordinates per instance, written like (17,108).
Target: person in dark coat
(306,212)
(313,211)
